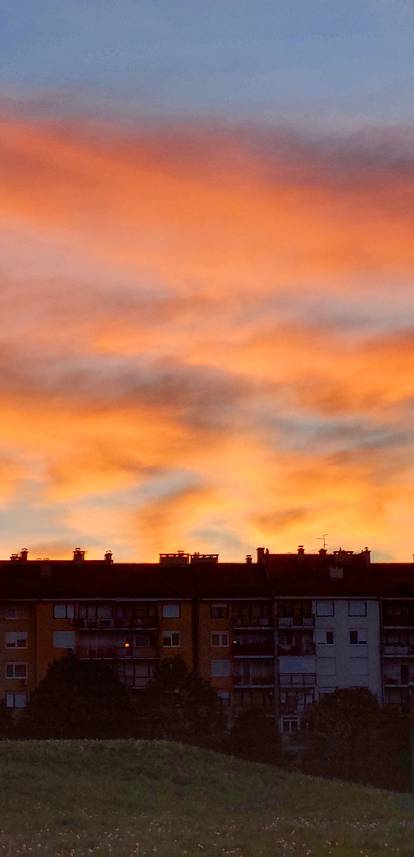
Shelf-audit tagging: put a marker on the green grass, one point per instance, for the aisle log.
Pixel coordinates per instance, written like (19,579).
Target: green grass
(124,798)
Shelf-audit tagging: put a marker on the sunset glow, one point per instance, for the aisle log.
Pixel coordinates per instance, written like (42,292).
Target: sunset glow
(207,334)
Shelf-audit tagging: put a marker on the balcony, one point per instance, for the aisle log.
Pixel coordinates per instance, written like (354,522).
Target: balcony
(265,650)
(297,620)
(297,679)
(398,621)
(262,622)
(398,681)
(90,653)
(395,651)
(131,624)
(296,650)
(253,677)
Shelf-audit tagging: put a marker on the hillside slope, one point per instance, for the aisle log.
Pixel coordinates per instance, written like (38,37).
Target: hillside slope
(78,798)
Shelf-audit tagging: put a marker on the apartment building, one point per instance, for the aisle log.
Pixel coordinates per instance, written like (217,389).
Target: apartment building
(276,633)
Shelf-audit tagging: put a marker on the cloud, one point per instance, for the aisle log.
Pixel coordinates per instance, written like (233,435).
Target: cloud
(205,330)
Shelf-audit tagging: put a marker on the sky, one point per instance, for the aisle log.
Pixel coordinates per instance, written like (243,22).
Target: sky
(206,276)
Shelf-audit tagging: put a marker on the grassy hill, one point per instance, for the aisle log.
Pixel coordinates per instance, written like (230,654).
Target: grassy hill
(125,798)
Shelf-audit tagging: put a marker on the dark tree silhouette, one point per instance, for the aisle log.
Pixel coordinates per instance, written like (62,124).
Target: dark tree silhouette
(78,699)
(255,736)
(349,736)
(179,706)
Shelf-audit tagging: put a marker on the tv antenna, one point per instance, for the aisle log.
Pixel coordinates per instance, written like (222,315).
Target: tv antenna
(322,538)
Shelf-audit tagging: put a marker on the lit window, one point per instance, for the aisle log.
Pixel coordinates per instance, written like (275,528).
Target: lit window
(220,668)
(64,639)
(171,611)
(64,611)
(16,639)
(16,670)
(219,638)
(357,608)
(171,639)
(358,637)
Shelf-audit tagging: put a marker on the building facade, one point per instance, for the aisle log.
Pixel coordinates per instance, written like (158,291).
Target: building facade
(274,634)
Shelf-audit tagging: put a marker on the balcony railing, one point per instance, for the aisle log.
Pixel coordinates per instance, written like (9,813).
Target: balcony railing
(396,681)
(253,649)
(298,651)
(296,621)
(252,622)
(116,624)
(116,653)
(398,621)
(398,650)
(297,679)
(243,680)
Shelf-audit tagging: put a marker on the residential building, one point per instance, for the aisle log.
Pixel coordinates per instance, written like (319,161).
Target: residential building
(274,634)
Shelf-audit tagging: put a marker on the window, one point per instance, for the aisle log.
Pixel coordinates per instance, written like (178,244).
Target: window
(219,611)
(64,639)
(224,697)
(357,608)
(16,670)
(219,638)
(64,611)
(358,638)
(11,612)
(16,639)
(325,608)
(324,638)
(220,668)
(171,611)
(16,700)
(290,725)
(171,638)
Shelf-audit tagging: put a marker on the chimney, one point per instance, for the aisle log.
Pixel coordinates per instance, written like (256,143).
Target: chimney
(322,551)
(23,555)
(249,559)
(301,550)
(108,557)
(78,555)
(367,554)
(260,554)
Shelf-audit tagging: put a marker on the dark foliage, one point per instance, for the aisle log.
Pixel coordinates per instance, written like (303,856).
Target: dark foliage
(78,699)
(255,736)
(179,706)
(349,736)
(6,722)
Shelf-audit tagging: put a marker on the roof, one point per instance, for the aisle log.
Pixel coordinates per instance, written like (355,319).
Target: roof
(300,575)
(100,579)
(284,575)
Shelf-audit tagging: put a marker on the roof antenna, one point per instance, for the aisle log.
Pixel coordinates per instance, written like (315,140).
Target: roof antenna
(322,538)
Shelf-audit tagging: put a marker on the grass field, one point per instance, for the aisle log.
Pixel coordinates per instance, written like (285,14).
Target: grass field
(79,798)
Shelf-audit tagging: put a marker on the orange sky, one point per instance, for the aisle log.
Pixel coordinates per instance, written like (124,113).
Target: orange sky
(207,340)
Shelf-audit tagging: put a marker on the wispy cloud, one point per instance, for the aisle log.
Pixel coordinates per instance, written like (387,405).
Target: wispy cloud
(230,304)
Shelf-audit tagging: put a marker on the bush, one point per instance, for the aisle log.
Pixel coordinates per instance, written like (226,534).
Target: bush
(255,736)
(179,706)
(347,735)
(78,699)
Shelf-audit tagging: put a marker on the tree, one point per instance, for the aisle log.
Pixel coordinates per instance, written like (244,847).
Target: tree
(255,736)
(179,706)
(348,735)
(78,699)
